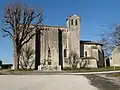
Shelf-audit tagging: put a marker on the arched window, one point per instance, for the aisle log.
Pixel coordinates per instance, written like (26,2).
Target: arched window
(49,56)
(72,22)
(49,52)
(76,23)
(65,52)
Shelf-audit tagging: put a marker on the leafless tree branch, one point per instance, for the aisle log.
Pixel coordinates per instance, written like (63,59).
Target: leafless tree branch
(22,21)
(8,32)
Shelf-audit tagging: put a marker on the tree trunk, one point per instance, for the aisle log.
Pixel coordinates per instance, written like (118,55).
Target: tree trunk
(16,55)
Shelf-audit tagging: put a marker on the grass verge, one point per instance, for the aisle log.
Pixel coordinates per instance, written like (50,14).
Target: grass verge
(92,69)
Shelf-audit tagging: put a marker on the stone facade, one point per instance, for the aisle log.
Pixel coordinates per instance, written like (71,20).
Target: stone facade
(59,42)
(93,52)
(49,47)
(88,62)
(73,25)
(54,44)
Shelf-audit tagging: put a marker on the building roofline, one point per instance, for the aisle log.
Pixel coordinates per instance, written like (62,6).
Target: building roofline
(90,42)
(53,26)
(50,26)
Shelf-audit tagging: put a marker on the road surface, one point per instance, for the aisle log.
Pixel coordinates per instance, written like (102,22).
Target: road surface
(58,82)
(104,82)
(45,82)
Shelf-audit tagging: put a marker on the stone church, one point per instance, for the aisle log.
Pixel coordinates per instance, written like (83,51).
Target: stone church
(56,43)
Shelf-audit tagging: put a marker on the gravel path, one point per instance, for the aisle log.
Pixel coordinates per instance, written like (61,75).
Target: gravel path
(45,82)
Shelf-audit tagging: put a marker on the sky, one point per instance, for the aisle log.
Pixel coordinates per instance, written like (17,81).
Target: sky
(94,14)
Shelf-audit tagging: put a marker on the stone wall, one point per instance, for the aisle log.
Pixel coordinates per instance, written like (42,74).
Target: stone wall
(88,63)
(101,56)
(91,50)
(74,34)
(49,45)
(57,44)
(65,49)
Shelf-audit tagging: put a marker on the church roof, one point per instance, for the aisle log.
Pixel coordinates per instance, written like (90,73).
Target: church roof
(46,27)
(51,26)
(54,26)
(90,42)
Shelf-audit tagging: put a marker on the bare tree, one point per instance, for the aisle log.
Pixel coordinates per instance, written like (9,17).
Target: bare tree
(73,60)
(116,35)
(108,43)
(18,19)
(111,39)
(27,57)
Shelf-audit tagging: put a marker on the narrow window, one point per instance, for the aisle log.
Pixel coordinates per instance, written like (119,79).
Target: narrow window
(65,52)
(49,63)
(72,22)
(76,23)
(49,52)
(85,53)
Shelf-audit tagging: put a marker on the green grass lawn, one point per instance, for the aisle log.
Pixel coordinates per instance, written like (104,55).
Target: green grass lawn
(92,69)
(115,75)
(78,70)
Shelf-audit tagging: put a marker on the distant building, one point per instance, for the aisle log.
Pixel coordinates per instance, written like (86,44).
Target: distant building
(0,64)
(7,66)
(56,43)
(115,61)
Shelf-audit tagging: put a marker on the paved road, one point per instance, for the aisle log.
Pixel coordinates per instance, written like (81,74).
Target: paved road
(45,82)
(58,82)
(104,83)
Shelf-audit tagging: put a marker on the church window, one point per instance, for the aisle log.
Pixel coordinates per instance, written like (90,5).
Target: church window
(85,53)
(49,62)
(49,52)
(72,22)
(76,23)
(65,52)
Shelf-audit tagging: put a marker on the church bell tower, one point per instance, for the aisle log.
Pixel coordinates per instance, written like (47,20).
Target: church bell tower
(73,26)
